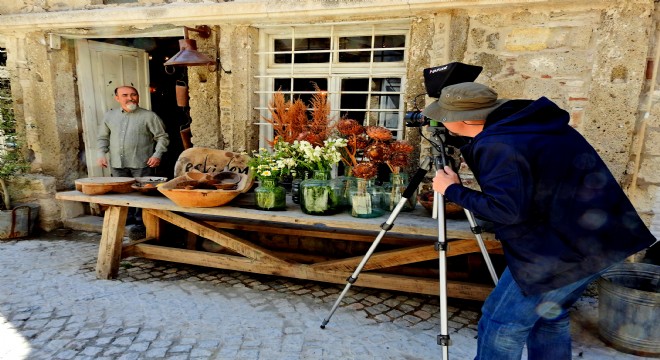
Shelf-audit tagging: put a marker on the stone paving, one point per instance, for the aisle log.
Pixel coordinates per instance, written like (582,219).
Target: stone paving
(53,307)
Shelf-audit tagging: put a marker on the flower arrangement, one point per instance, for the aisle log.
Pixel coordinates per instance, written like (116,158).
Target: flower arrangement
(315,157)
(356,140)
(366,148)
(371,145)
(292,158)
(399,155)
(291,121)
(274,164)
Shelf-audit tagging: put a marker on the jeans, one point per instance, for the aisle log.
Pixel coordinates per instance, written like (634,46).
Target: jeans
(134,214)
(510,320)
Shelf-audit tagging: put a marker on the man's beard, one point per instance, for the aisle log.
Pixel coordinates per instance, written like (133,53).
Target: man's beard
(131,106)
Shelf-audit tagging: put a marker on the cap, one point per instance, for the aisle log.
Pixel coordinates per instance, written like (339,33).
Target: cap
(463,101)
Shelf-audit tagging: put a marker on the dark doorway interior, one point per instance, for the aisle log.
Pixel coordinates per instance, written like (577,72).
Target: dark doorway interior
(162,86)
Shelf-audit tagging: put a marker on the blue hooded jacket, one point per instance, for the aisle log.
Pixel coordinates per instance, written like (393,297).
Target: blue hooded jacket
(558,211)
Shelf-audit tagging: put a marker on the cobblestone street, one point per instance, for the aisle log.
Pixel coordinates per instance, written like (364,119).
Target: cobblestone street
(53,307)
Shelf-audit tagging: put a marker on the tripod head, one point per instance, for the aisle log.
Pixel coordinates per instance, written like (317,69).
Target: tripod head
(444,147)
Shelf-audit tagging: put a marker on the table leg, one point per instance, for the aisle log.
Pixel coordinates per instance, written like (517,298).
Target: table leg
(114,223)
(152,223)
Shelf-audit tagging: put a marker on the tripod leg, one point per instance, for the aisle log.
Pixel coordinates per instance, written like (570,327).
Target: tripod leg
(441,247)
(353,278)
(476,230)
(386,226)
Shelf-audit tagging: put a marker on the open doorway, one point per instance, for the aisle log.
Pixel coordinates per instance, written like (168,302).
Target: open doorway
(162,89)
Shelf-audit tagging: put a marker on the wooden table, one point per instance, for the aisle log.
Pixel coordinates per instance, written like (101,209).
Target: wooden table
(410,241)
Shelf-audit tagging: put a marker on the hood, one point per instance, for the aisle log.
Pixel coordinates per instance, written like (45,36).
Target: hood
(526,116)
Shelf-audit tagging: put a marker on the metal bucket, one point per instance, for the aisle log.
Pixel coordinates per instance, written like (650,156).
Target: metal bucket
(629,308)
(18,222)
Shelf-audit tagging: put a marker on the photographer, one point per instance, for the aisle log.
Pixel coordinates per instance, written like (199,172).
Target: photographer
(561,216)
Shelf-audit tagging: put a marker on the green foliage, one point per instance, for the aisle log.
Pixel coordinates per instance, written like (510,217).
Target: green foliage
(12,161)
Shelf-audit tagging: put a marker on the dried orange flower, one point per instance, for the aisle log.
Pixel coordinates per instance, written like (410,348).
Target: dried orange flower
(314,139)
(365,170)
(401,146)
(377,152)
(399,152)
(397,160)
(348,127)
(379,133)
(361,142)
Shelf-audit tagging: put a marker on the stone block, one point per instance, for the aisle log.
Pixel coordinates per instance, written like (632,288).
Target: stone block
(527,39)
(652,143)
(648,170)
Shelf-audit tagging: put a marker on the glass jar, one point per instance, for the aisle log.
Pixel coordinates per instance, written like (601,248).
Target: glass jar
(345,183)
(366,198)
(299,176)
(269,195)
(318,195)
(393,191)
(295,190)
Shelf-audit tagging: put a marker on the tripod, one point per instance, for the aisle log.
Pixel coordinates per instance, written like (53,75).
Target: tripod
(439,160)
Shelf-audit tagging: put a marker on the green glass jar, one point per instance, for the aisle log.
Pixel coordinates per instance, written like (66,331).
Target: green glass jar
(366,198)
(393,191)
(269,195)
(345,183)
(318,195)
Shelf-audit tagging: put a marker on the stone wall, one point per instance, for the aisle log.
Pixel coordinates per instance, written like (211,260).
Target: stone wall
(222,99)
(588,57)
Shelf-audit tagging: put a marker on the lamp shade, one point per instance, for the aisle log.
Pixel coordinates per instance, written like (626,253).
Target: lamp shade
(188,55)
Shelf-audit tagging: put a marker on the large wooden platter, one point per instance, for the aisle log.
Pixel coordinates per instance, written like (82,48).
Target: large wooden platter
(103,185)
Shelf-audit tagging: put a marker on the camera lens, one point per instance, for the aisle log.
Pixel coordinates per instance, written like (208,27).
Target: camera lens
(415,119)
(414,116)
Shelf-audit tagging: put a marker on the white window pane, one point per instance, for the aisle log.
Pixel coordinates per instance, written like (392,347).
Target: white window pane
(361,68)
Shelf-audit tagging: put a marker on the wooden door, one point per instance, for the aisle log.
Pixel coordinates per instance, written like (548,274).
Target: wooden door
(101,68)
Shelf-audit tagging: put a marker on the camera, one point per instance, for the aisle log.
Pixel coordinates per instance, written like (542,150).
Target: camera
(416,119)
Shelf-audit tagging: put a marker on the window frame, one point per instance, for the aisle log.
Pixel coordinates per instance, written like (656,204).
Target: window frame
(333,70)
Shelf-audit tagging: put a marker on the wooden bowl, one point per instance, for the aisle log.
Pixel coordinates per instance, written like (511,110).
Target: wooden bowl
(155,180)
(103,185)
(149,186)
(202,197)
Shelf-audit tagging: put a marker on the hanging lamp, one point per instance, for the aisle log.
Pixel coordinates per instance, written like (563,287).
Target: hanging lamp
(188,54)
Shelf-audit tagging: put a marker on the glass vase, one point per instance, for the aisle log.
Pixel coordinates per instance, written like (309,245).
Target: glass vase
(269,195)
(318,195)
(393,191)
(345,183)
(299,176)
(366,199)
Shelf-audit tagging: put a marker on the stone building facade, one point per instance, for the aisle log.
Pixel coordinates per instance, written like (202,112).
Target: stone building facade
(598,60)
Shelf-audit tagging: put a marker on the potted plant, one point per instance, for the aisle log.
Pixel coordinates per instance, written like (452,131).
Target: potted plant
(15,221)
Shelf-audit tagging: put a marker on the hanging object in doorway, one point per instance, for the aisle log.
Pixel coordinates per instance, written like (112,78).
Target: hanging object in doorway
(181,93)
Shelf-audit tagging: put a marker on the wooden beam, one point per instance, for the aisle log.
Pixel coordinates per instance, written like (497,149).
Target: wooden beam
(330,234)
(383,259)
(468,246)
(301,271)
(221,238)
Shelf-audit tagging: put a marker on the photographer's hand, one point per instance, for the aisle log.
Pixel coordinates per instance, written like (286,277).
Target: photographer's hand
(443,178)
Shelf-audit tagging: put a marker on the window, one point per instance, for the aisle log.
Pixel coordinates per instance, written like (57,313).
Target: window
(362,68)
(3,57)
